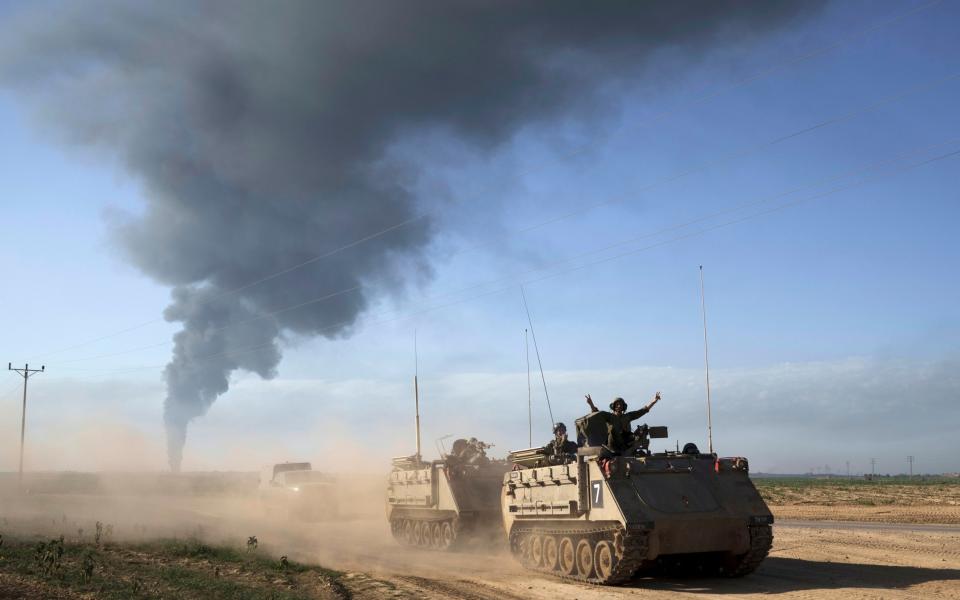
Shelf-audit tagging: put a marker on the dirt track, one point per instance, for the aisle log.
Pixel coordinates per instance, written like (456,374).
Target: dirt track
(826,560)
(806,563)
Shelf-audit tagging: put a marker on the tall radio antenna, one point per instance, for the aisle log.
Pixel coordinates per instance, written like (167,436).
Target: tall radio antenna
(706,360)
(416,390)
(536,349)
(526,346)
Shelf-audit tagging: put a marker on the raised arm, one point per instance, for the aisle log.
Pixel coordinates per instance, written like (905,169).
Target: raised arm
(593,407)
(636,414)
(656,398)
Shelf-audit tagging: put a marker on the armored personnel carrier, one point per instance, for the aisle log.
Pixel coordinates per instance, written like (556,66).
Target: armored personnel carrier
(601,517)
(443,503)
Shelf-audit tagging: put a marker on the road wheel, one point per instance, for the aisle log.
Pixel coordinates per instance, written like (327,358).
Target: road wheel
(396,529)
(585,559)
(604,560)
(568,557)
(436,535)
(408,533)
(418,537)
(550,552)
(447,535)
(536,550)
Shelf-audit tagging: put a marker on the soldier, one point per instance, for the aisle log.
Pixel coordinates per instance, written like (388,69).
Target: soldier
(458,449)
(619,436)
(559,447)
(476,452)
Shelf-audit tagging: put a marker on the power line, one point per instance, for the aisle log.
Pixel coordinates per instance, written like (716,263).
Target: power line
(579,267)
(776,67)
(601,260)
(880,164)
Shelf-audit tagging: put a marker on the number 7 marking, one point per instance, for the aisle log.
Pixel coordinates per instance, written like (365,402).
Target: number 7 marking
(597,496)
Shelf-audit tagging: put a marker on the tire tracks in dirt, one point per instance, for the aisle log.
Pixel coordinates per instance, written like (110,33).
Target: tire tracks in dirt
(461,589)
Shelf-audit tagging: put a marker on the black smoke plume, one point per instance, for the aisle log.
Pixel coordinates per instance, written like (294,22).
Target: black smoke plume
(259,129)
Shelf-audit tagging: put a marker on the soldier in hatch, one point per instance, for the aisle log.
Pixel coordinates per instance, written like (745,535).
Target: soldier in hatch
(619,435)
(476,452)
(559,447)
(458,449)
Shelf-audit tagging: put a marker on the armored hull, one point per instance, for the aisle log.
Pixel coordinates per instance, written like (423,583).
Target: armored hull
(603,518)
(443,504)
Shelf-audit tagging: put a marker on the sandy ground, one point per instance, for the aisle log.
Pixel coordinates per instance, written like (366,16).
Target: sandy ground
(809,560)
(870,514)
(839,560)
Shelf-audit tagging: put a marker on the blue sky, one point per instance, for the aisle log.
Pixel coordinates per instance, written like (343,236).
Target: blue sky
(846,304)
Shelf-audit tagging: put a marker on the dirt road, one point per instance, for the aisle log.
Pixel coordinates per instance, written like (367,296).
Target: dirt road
(809,561)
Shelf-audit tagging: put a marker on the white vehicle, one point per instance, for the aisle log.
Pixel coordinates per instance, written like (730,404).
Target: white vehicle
(297,491)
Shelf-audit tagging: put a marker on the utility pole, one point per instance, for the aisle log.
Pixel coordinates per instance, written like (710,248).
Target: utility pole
(910,460)
(873,467)
(848,468)
(26,372)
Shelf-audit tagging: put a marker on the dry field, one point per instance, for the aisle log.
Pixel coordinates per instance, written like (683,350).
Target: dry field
(887,500)
(194,546)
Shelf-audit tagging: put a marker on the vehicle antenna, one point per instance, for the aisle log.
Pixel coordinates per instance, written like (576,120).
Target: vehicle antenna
(441,448)
(416,390)
(526,345)
(706,360)
(536,349)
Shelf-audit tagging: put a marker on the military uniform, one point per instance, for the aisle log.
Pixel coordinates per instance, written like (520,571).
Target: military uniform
(619,431)
(560,446)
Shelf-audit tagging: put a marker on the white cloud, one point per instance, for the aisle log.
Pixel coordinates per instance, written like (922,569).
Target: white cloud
(785,417)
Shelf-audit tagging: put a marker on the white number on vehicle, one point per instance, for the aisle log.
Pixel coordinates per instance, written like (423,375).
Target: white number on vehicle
(596,495)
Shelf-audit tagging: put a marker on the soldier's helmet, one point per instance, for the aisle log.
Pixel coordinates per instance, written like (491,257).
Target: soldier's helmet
(620,401)
(558,427)
(458,447)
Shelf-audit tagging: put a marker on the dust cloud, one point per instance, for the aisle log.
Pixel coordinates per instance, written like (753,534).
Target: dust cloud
(223,508)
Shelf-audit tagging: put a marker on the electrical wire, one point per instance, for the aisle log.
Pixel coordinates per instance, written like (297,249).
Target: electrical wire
(775,68)
(839,118)
(780,207)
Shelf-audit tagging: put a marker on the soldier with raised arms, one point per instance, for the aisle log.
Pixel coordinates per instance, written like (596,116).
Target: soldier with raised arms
(618,421)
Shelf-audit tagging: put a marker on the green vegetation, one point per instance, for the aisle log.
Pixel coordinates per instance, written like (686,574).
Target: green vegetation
(160,569)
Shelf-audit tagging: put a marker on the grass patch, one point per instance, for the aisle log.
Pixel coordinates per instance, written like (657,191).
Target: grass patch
(187,569)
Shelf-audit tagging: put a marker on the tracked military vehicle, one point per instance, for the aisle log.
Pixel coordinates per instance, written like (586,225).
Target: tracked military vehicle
(445,503)
(601,517)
